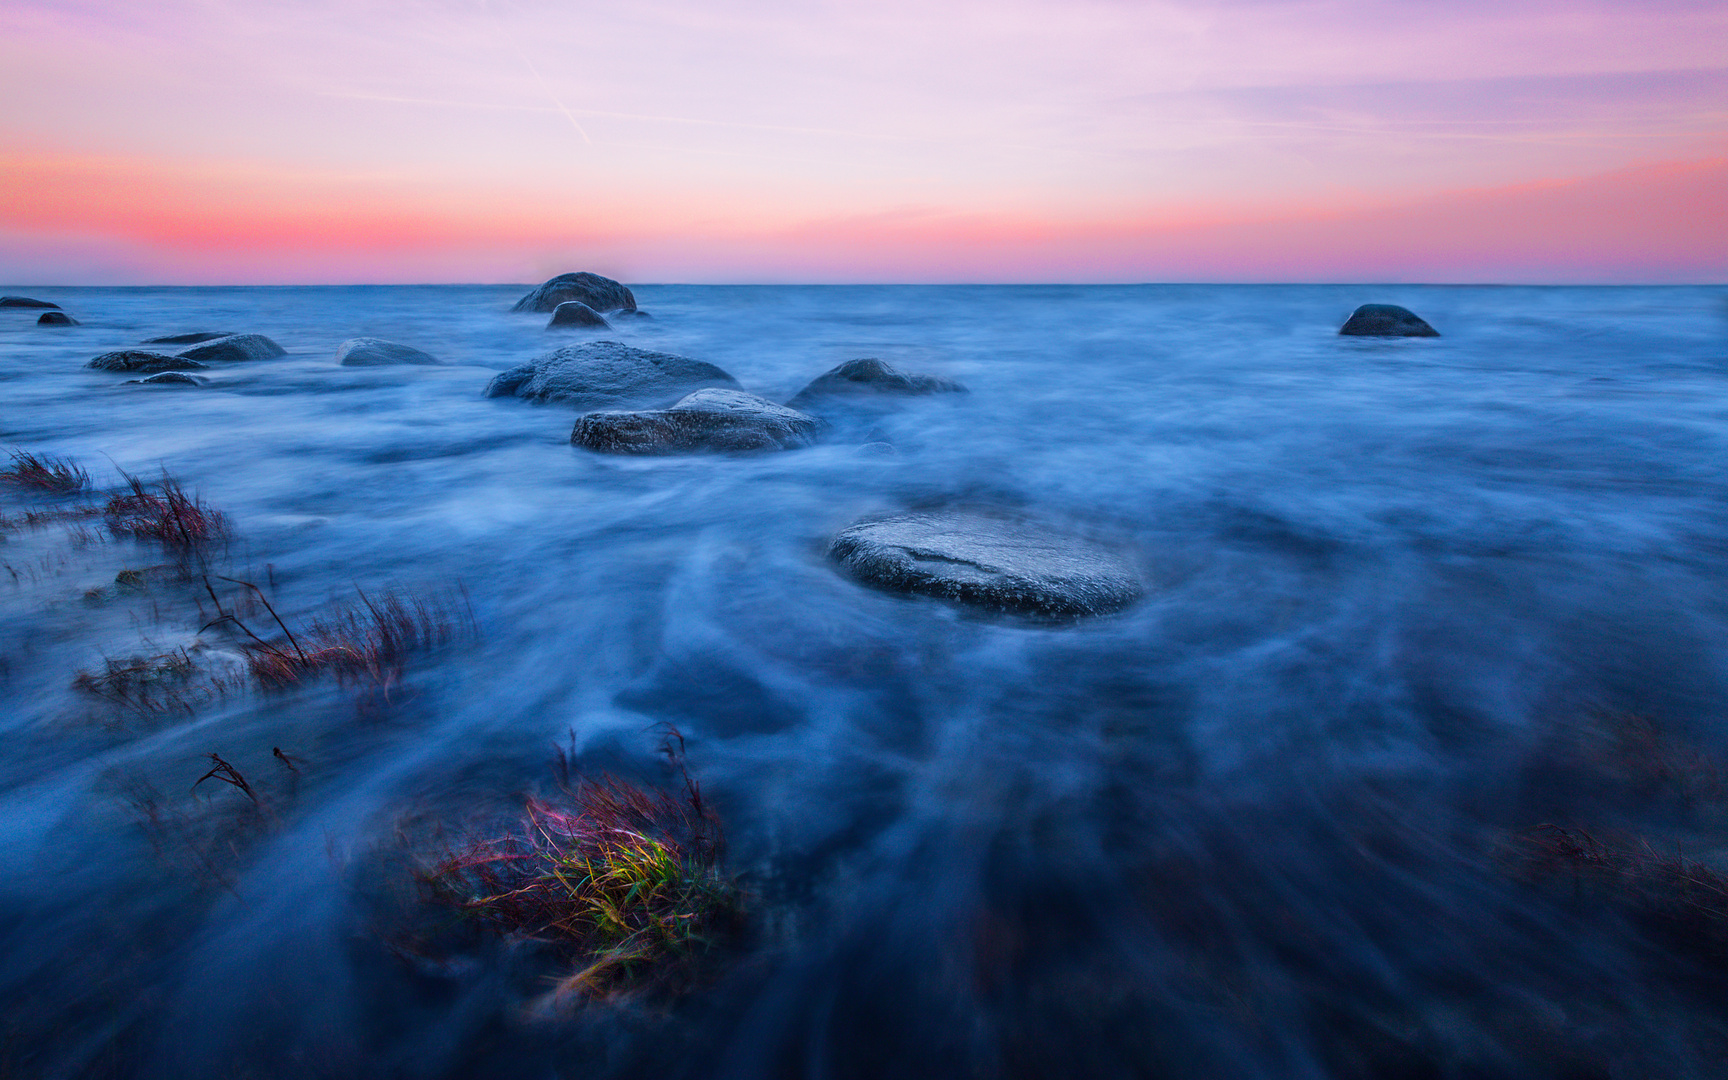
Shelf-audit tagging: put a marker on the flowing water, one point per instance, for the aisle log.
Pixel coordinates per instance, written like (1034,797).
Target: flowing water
(1407,601)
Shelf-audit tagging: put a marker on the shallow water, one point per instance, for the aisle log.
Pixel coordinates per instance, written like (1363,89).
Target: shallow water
(1403,599)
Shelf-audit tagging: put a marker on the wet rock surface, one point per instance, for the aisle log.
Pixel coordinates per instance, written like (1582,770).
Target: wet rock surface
(608,375)
(858,381)
(988,560)
(167,378)
(234,348)
(376,352)
(142,360)
(599,293)
(56,318)
(707,421)
(191,338)
(574,314)
(1386,320)
(25,302)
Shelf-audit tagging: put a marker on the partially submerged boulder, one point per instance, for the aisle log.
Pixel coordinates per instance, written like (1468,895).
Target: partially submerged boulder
(167,378)
(988,560)
(864,380)
(608,375)
(142,360)
(599,293)
(192,338)
(373,352)
(713,421)
(56,318)
(1386,320)
(576,314)
(26,302)
(234,348)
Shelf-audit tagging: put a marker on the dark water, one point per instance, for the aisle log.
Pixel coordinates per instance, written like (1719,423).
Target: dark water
(1408,600)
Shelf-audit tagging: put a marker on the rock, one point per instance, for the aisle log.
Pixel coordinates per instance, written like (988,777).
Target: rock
(608,375)
(142,360)
(234,348)
(987,560)
(1386,320)
(867,379)
(26,302)
(599,293)
(719,421)
(574,313)
(56,318)
(168,378)
(631,313)
(371,351)
(192,338)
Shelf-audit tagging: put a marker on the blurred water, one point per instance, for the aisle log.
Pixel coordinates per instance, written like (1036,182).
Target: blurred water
(1246,828)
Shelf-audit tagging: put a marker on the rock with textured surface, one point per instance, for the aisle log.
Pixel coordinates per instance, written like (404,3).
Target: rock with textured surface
(56,318)
(142,360)
(167,378)
(373,352)
(26,302)
(1386,320)
(599,293)
(574,314)
(988,560)
(868,380)
(708,421)
(608,375)
(233,349)
(192,338)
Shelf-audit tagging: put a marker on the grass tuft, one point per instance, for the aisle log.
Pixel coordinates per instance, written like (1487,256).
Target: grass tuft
(59,475)
(370,637)
(170,516)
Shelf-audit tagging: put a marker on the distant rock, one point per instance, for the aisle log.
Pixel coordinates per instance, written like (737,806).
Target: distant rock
(987,560)
(574,314)
(1386,320)
(25,302)
(631,313)
(192,338)
(142,360)
(715,421)
(372,352)
(863,380)
(56,318)
(608,375)
(234,348)
(599,293)
(167,378)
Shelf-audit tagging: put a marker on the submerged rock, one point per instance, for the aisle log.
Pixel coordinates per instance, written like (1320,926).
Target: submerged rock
(142,360)
(371,352)
(599,293)
(234,348)
(574,313)
(608,375)
(56,318)
(26,302)
(987,560)
(192,338)
(168,378)
(715,421)
(861,380)
(1386,320)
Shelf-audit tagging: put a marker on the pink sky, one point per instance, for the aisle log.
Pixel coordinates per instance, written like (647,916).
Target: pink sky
(209,141)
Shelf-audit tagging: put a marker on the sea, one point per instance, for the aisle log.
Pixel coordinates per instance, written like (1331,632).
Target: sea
(1410,762)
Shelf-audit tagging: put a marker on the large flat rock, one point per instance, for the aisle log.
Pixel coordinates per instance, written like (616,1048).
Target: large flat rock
(142,361)
(988,560)
(377,352)
(233,349)
(708,421)
(609,375)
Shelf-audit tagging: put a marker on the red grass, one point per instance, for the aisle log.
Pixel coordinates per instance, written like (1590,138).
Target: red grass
(59,475)
(183,522)
(370,637)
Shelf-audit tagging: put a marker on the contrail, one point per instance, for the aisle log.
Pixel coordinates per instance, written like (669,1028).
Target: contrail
(568,115)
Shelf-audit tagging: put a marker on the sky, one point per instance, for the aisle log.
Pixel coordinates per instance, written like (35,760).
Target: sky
(316,141)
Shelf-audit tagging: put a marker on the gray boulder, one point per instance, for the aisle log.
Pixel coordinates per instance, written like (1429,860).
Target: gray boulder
(234,348)
(142,360)
(192,338)
(865,380)
(167,378)
(989,561)
(599,293)
(372,352)
(25,302)
(608,375)
(713,421)
(56,318)
(575,314)
(1386,320)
